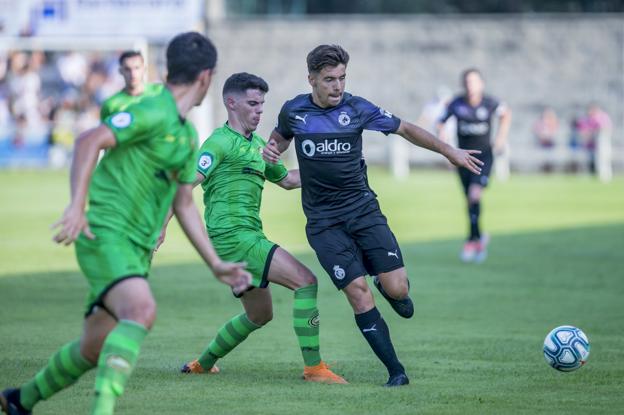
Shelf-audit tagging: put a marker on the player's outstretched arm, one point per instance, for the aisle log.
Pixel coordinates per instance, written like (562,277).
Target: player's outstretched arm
(503,130)
(86,151)
(441,133)
(457,156)
(275,147)
(232,274)
(291,181)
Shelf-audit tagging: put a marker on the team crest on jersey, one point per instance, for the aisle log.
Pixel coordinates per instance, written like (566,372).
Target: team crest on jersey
(121,120)
(339,273)
(344,119)
(385,113)
(482,113)
(205,161)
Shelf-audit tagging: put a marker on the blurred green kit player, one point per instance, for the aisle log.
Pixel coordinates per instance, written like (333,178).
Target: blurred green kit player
(132,69)
(150,164)
(232,173)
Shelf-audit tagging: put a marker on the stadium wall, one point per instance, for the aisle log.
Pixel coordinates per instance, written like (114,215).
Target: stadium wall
(529,61)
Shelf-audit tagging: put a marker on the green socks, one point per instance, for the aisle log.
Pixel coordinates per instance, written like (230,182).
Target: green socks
(233,333)
(117,360)
(306,323)
(63,369)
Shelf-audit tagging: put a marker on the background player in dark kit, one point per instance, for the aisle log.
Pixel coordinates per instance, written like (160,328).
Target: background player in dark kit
(475,112)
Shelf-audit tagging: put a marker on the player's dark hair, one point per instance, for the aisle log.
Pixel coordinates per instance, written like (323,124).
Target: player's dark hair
(241,82)
(128,54)
(468,71)
(326,55)
(187,55)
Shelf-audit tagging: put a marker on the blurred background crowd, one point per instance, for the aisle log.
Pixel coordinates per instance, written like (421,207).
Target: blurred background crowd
(47,98)
(557,64)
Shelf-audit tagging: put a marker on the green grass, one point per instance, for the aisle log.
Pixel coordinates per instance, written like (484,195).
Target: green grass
(473,347)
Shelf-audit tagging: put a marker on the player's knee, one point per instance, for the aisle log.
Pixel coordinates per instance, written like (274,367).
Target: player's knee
(143,312)
(474,194)
(307,278)
(90,349)
(261,318)
(360,297)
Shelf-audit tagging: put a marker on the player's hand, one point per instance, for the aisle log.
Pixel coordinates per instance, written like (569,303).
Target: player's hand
(465,158)
(71,223)
(161,238)
(233,274)
(270,153)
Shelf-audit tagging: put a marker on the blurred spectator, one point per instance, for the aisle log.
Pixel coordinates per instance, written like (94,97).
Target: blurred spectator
(545,131)
(546,127)
(594,129)
(47,98)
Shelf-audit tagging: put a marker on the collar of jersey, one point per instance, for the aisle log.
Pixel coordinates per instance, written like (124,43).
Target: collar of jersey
(175,104)
(236,133)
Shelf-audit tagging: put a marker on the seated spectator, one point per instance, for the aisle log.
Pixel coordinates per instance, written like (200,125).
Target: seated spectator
(546,127)
(545,131)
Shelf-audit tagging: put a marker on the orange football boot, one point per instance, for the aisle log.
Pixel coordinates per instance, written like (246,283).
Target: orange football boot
(322,374)
(195,367)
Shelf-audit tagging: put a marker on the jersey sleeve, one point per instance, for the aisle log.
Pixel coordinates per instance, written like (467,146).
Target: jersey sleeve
(210,155)
(448,112)
(104,111)
(188,172)
(275,173)
(375,118)
(283,123)
(136,123)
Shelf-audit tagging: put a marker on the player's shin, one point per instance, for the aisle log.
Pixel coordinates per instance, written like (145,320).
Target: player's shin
(230,335)
(474,211)
(62,370)
(376,333)
(306,324)
(116,363)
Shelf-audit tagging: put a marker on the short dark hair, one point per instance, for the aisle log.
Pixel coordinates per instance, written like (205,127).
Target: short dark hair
(241,82)
(468,71)
(128,54)
(326,55)
(187,55)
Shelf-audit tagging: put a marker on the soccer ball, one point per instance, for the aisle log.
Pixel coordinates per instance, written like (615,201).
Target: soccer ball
(566,348)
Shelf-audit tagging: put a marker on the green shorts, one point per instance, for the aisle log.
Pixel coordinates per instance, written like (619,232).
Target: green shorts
(251,247)
(108,260)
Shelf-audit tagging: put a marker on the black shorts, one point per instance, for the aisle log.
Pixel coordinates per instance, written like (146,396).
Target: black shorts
(467,177)
(355,246)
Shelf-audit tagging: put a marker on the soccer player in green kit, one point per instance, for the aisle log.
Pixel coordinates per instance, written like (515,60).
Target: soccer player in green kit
(132,68)
(232,173)
(150,164)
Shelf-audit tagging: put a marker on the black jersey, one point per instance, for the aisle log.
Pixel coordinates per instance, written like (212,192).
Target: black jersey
(328,142)
(474,124)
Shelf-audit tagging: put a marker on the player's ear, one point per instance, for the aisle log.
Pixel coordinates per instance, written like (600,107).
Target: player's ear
(311,80)
(230,102)
(205,77)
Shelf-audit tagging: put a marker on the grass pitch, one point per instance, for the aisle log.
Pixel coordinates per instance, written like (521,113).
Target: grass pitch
(473,347)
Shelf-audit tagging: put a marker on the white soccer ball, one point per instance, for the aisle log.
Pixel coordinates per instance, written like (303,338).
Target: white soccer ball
(566,348)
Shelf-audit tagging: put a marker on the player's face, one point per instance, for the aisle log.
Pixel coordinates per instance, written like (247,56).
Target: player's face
(248,108)
(132,69)
(328,85)
(473,83)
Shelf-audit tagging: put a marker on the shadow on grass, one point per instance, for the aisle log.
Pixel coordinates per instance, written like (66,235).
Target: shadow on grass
(475,339)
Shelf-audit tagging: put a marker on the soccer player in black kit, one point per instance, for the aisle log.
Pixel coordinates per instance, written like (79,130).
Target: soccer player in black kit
(474,112)
(345,226)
